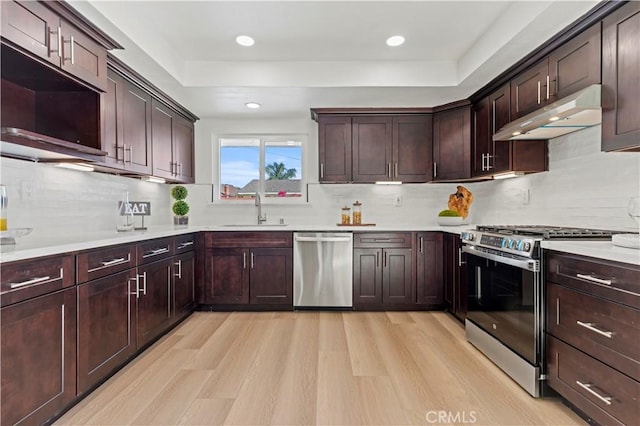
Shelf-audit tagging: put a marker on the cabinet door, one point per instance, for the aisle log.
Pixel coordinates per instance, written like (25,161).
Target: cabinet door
(38,352)
(397,277)
(83,57)
(449,266)
(529,89)
(162,140)
(481,137)
(576,64)
(334,148)
(429,285)
(452,144)
(136,129)
(499,116)
(620,82)
(183,149)
(154,303)
(184,298)
(412,148)
(367,278)
(226,276)
(271,276)
(372,148)
(106,326)
(112,125)
(33,27)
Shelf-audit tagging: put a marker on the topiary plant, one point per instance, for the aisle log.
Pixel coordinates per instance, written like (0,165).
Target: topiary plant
(179,192)
(180,207)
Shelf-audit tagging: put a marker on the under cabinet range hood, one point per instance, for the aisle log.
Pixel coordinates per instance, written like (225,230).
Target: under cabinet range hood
(575,112)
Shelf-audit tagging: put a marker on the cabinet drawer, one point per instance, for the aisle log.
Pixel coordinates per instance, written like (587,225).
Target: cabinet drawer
(605,330)
(105,261)
(185,243)
(260,239)
(150,251)
(382,239)
(615,281)
(604,394)
(30,278)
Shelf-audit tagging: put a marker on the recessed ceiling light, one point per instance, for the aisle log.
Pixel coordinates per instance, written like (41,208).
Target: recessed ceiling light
(244,40)
(252,105)
(395,41)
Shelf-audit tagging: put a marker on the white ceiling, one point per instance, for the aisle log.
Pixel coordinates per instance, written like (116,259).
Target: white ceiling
(324,53)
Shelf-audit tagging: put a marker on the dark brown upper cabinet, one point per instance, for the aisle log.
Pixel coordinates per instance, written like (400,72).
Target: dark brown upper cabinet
(41,31)
(492,157)
(620,79)
(452,144)
(372,146)
(569,68)
(126,125)
(172,142)
(334,148)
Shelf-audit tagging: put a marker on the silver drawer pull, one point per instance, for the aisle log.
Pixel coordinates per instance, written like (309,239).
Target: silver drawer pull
(31,281)
(594,279)
(114,261)
(156,252)
(591,326)
(185,244)
(587,387)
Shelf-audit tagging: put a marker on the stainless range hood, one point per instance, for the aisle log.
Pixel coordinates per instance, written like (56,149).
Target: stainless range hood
(575,112)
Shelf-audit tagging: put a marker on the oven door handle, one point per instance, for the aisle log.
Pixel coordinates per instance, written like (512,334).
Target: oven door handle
(527,264)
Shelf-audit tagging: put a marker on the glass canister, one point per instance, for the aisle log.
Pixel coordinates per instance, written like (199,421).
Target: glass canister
(3,207)
(346,215)
(357,213)
(124,217)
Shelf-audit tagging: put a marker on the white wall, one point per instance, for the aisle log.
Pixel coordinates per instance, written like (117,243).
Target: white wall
(583,187)
(69,202)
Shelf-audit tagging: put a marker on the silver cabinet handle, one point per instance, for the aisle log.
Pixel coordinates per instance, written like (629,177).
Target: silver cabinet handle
(389,170)
(124,151)
(588,386)
(321,170)
(482,163)
(395,170)
(180,169)
(591,326)
(421,242)
(137,292)
(144,285)
(377,258)
(156,252)
(384,259)
(73,51)
(244,260)
(489,166)
(29,282)
(71,48)
(179,265)
(49,49)
(539,100)
(252,260)
(435,169)
(547,87)
(37,280)
(460,262)
(114,261)
(594,279)
(130,154)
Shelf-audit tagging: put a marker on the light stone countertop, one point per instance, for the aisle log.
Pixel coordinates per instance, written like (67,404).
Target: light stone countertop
(598,249)
(31,246)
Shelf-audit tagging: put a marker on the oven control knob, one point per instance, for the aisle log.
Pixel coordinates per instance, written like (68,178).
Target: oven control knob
(504,243)
(512,244)
(520,246)
(468,236)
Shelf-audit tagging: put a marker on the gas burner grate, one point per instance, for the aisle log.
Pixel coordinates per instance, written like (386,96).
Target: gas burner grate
(548,232)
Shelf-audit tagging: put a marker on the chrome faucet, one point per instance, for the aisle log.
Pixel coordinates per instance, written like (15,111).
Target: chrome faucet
(261,219)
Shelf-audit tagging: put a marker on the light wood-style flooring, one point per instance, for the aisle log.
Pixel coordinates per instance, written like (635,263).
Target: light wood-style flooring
(324,368)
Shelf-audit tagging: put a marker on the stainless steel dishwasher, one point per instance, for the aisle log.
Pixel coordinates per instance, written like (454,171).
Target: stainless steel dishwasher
(322,269)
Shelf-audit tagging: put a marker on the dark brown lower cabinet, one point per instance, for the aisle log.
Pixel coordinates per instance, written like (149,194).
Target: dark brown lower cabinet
(429,285)
(38,357)
(383,277)
(106,326)
(271,276)
(154,302)
(226,276)
(184,297)
(454,276)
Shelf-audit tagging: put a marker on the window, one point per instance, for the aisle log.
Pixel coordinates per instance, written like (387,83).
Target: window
(269,165)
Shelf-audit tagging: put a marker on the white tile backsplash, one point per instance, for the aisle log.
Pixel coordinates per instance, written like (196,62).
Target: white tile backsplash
(583,187)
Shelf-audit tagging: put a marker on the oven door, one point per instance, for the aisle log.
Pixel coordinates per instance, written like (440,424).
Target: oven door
(504,299)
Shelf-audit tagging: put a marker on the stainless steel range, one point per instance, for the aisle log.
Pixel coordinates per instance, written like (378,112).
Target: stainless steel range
(505,285)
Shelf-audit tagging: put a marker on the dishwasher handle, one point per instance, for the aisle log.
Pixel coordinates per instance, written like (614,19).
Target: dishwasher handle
(324,239)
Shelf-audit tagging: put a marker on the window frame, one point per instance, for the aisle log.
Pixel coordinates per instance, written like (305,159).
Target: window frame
(264,138)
